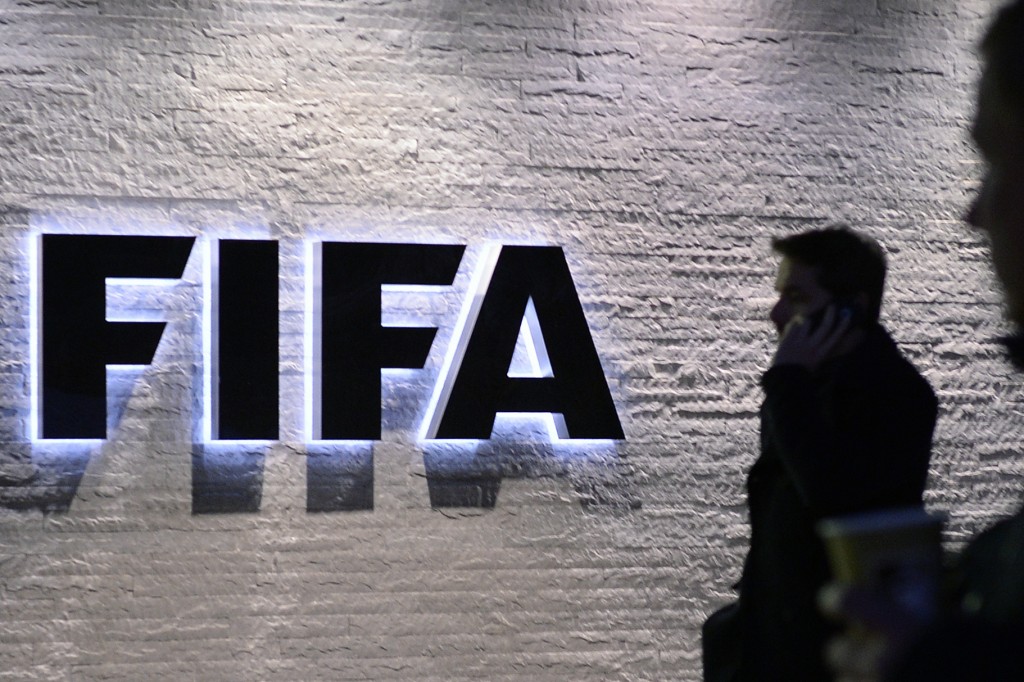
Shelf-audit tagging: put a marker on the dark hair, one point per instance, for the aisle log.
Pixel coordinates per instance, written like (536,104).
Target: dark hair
(1003,49)
(848,263)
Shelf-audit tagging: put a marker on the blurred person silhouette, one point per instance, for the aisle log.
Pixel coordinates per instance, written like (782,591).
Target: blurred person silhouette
(846,426)
(979,634)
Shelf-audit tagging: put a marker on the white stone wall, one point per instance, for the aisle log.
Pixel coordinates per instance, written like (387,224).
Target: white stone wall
(660,142)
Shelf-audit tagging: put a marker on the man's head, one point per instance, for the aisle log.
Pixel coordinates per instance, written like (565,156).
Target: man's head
(834,265)
(998,131)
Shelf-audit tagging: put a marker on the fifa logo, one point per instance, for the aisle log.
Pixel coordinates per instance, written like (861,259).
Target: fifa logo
(521,287)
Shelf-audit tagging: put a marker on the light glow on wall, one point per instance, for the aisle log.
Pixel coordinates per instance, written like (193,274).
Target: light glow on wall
(35,279)
(531,356)
(311,341)
(208,426)
(531,361)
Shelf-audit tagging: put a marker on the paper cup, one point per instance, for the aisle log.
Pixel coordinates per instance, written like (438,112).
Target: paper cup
(896,551)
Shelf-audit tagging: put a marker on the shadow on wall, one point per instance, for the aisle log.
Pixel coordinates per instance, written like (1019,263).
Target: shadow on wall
(471,477)
(229,478)
(39,480)
(340,478)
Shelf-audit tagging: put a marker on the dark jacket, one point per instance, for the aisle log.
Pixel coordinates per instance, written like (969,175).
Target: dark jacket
(851,436)
(981,637)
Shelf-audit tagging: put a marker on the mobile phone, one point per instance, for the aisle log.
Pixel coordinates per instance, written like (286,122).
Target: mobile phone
(841,308)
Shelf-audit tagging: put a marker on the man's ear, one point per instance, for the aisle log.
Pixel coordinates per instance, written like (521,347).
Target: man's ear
(862,303)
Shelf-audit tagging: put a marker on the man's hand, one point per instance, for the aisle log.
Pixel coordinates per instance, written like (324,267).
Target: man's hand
(806,347)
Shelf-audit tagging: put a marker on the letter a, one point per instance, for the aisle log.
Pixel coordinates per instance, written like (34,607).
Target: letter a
(482,387)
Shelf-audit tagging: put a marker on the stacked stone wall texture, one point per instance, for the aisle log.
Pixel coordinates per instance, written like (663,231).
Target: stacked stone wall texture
(661,143)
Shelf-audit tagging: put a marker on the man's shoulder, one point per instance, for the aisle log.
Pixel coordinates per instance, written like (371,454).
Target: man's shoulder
(880,350)
(880,362)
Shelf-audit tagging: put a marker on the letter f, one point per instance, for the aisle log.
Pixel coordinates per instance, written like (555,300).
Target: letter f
(77,340)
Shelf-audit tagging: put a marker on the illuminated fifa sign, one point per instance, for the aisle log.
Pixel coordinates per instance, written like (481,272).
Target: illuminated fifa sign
(349,345)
